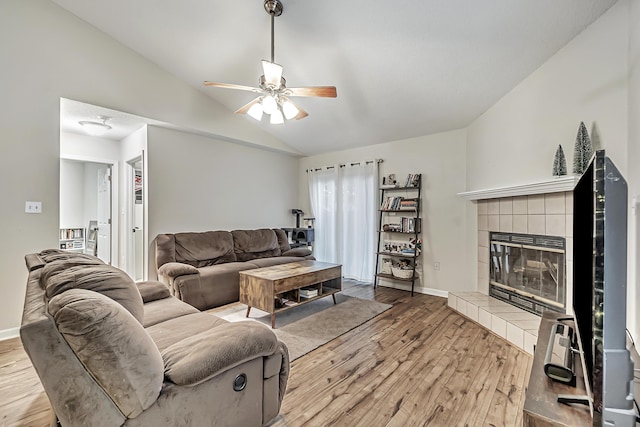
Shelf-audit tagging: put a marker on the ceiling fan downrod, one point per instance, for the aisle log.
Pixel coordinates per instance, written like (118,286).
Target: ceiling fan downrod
(274,8)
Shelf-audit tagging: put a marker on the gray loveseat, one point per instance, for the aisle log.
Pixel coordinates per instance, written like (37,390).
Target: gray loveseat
(110,352)
(201,268)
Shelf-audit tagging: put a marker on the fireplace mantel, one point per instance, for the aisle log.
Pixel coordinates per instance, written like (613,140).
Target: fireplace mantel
(564,183)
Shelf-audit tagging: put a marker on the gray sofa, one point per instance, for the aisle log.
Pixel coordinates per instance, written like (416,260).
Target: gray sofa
(201,268)
(110,352)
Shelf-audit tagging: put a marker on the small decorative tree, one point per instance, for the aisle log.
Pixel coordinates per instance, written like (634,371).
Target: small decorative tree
(583,150)
(559,163)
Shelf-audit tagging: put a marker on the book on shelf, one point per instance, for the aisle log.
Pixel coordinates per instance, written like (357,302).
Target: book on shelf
(308,293)
(413,180)
(406,225)
(398,203)
(408,204)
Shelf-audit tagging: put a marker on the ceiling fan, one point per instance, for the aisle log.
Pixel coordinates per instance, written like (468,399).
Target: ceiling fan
(274,95)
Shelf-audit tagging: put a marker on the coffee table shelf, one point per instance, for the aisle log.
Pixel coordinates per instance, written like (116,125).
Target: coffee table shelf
(261,287)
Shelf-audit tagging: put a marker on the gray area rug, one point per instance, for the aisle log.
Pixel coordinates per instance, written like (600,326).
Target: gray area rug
(307,327)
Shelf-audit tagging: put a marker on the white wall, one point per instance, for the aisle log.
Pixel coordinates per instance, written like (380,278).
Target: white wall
(72,179)
(515,141)
(198,184)
(51,55)
(595,79)
(88,148)
(441,160)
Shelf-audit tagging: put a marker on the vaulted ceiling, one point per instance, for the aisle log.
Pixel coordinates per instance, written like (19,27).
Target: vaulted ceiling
(402,69)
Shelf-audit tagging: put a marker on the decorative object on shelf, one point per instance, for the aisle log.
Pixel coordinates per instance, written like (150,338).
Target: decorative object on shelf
(583,150)
(416,244)
(387,263)
(403,270)
(559,163)
(389,181)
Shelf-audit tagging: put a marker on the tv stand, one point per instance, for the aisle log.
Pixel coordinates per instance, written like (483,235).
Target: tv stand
(573,398)
(548,402)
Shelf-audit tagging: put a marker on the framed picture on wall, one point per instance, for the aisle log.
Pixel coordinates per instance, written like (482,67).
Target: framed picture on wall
(137,185)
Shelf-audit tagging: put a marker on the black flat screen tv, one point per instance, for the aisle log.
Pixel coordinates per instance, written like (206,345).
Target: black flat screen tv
(600,291)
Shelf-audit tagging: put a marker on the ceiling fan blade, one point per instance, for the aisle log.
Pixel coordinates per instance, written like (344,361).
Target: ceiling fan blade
(272,73)
(302,114)
(232,86)
(245,108)
(323,91)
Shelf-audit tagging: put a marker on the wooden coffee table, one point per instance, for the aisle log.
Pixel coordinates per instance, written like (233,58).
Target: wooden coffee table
(262,287)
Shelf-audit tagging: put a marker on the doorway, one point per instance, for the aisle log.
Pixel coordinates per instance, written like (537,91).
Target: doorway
(86,205)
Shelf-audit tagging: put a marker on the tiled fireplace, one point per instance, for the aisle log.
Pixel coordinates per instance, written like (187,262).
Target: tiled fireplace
(541,214)
(514,212)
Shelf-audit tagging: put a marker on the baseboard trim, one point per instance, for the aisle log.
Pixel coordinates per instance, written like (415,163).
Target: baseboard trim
(7,334)
(418,289)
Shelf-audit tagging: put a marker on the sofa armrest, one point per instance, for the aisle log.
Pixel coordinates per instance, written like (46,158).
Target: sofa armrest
(200,357)
(175,269)
(301,252)
(153,291)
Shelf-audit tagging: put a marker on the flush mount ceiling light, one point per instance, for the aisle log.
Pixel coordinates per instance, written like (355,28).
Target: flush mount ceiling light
(94,128)
(274,95)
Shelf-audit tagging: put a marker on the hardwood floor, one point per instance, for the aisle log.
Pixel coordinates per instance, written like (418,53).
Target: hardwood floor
(417,364)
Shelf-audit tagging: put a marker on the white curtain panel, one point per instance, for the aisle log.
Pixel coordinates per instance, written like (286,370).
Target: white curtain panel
(344,201)
(323,192)
(357,213)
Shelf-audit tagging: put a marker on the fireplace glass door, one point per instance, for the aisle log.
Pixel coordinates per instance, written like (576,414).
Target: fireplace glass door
(527,275)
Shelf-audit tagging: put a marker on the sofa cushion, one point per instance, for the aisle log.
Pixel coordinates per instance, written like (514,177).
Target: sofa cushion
(112,345)
(171,331)
(161,310)
(165,249)
(51,255)
(152,291)
(252,244)
(283,240)
(204,248)
(60,276)
(202,356)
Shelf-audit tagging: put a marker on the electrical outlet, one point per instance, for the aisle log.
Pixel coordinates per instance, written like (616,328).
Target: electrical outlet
(436,266)
(33,207)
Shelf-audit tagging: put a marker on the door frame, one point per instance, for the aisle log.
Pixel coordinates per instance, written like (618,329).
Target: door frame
(115,171)
(129,206)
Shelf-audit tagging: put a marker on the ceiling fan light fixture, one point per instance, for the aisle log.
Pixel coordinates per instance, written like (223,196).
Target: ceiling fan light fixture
(276,117)
(272,86)
(94,128)
(269,104)
(272,73)
(256,111)
(289,110)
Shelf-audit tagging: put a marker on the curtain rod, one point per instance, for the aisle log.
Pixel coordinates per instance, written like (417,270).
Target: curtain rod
(346,164)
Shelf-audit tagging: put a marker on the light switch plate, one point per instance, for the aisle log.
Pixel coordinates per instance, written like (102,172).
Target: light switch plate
(33,207)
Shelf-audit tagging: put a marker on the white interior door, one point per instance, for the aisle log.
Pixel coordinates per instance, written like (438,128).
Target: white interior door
(104,213)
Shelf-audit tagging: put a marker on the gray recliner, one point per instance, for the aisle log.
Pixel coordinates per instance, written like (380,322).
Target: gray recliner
(111,352)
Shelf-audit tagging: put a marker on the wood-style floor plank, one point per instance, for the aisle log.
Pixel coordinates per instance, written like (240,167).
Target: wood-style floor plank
(417,364)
